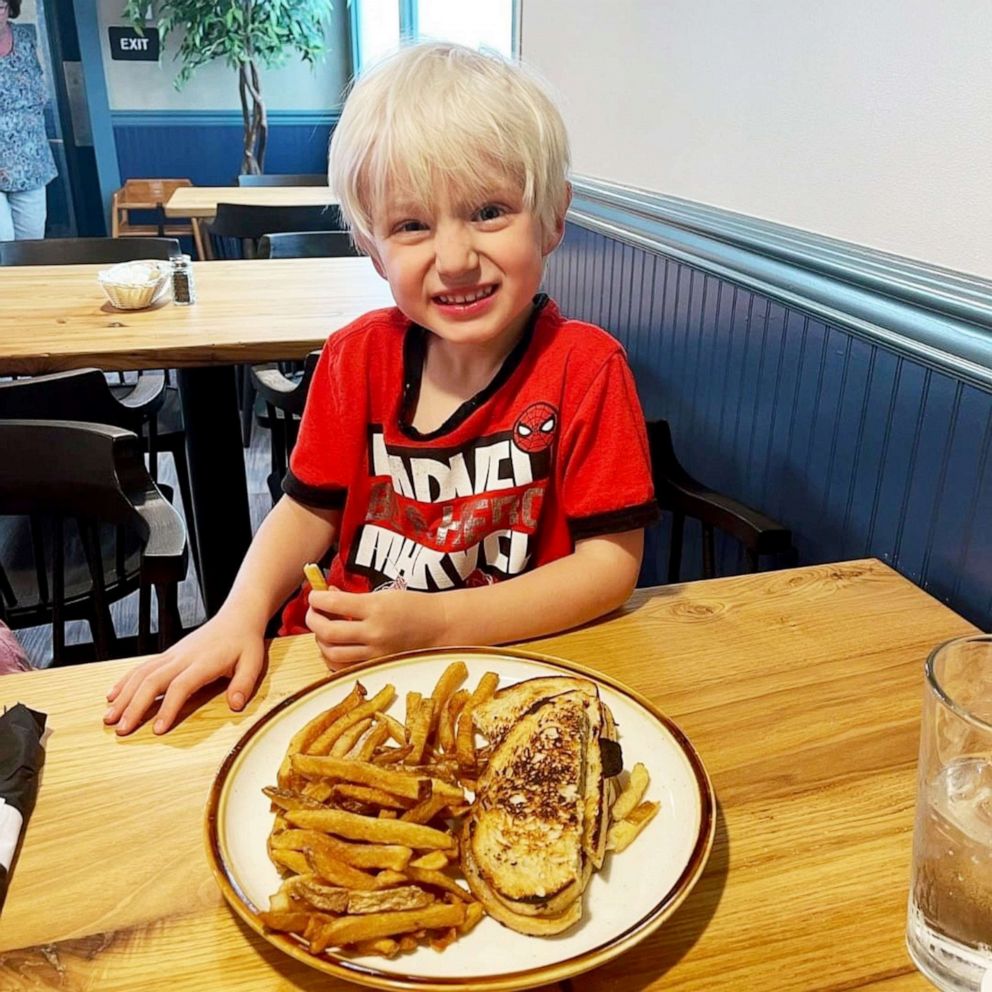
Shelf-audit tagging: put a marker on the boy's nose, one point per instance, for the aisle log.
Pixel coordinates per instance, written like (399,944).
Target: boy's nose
(454,254)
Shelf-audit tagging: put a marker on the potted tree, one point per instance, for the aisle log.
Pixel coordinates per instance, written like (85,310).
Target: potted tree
(248,35)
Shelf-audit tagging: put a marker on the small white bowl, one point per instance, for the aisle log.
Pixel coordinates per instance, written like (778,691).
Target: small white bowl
(135,285)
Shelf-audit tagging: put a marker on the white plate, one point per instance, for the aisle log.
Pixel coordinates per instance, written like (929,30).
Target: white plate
(633,894)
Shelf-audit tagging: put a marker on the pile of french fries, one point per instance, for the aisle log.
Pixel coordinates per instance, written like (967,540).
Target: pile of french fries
(367,820)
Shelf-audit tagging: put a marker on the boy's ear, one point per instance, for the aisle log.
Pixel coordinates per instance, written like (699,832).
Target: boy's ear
(553,238)
(376,264)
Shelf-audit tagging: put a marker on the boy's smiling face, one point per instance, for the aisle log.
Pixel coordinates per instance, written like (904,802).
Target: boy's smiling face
(466,270)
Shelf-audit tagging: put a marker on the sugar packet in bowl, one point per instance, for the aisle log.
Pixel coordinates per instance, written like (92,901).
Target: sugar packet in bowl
(135,285)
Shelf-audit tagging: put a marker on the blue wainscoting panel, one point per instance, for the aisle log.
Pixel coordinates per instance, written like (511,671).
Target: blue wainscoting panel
(859,450)
(205,146)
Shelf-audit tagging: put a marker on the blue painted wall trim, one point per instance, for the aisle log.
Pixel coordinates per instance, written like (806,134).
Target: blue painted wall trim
(861,447)
(934,316)
(200,118)
(205,146)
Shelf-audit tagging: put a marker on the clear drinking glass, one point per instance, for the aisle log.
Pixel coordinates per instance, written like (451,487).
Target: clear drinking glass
(949,933)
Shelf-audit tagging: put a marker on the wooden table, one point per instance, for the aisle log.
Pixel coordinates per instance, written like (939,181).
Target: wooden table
(800,689)
(201,201)
(54,318)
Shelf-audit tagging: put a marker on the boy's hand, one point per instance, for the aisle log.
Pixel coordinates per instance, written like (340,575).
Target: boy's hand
(221,647)
(352,627)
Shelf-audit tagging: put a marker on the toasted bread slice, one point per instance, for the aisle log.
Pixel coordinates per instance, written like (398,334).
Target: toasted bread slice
(538,926)
(539,824)
(600,790)
(529,813)
(494,718)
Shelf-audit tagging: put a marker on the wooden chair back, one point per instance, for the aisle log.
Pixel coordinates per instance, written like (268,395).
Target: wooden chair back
(82,394)
(285,179)
(150,408)
(307,244)
(235,230)
(82,527)
(148,197)
(145,195)
(82,251)
(285,395)
(681,495)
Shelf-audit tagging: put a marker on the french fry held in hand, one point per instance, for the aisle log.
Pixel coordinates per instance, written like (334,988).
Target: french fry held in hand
(315,577)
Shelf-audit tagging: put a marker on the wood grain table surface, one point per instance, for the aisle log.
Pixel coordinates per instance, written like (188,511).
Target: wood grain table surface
(800,689)
(201,201)
(54,318)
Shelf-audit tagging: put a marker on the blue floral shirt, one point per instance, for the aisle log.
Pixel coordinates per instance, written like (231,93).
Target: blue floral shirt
(25,159)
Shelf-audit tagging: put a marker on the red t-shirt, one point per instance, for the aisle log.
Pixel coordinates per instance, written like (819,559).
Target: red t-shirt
(553,450)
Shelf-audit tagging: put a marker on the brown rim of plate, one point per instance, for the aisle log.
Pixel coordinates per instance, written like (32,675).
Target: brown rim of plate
(334,964)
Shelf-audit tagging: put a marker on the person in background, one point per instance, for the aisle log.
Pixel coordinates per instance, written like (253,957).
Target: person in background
(479,461)
(26,163)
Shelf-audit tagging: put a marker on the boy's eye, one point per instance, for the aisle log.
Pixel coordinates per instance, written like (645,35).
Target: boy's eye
(410,225)
(490,211)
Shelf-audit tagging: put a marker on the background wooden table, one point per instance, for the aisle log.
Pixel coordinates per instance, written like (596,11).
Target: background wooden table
(201,201)
(54,318)
(800,689)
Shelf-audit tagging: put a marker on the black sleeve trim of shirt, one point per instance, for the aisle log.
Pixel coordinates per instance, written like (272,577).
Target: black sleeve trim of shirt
(316,496)
(615,521)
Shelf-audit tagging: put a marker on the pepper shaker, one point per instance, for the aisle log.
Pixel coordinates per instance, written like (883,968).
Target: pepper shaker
(183,286)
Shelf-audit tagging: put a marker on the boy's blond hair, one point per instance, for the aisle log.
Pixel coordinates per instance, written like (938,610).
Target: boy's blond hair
(438,113)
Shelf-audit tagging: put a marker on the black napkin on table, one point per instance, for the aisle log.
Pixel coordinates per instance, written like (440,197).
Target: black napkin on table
(21,759)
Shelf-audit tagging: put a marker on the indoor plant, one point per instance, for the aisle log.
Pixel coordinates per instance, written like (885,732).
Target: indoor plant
(248,35)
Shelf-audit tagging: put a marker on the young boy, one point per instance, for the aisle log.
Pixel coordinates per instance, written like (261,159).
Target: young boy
(470,441)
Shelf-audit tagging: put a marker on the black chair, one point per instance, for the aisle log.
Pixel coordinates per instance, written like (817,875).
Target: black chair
(167,431)
(237,232)
(149,409)
(82,251)
(682,496)
(285,179)
(82,527)
(284,396)
(236,228)
(283,386)
(307,244)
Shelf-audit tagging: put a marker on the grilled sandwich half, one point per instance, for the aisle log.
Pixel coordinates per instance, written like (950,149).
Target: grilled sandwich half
(538,826)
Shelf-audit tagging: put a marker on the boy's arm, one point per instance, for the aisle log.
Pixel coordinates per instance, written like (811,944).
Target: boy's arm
(291,535)
(230,644)
(596,578)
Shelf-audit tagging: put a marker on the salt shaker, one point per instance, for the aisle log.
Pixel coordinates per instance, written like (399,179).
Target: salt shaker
(183,286)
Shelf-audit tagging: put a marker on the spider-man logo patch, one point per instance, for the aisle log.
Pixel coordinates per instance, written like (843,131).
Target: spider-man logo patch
(535,428)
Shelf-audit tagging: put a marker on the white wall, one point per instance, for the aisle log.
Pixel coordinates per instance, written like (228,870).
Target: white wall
(866,120)
(295,86)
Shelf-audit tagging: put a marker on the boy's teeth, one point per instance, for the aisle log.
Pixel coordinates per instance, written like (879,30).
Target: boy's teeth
(470,298)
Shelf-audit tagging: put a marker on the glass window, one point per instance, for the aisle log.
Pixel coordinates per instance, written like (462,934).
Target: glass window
(481,24)
(377,28)
(378,25)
